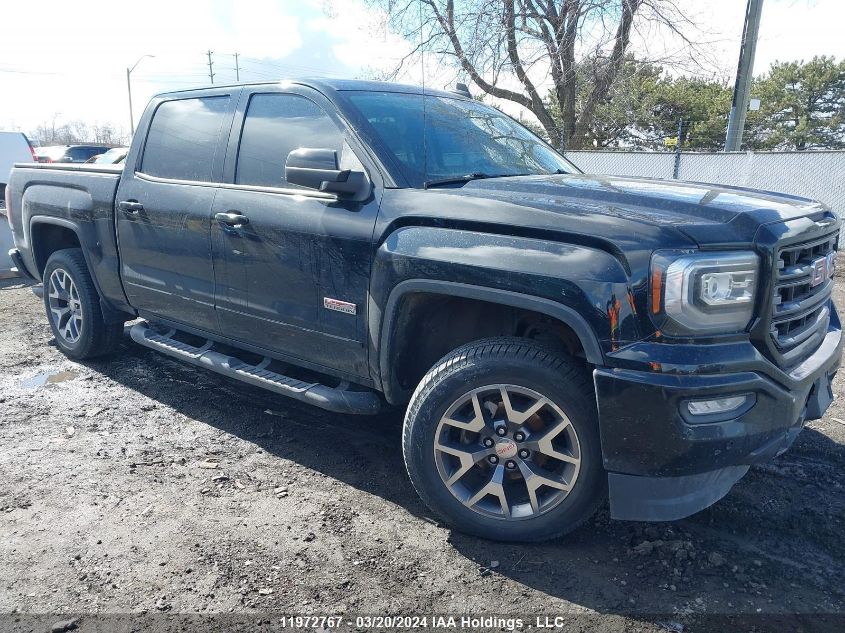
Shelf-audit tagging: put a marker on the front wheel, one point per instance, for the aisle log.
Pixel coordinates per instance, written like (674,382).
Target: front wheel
(73,308)
(501,439)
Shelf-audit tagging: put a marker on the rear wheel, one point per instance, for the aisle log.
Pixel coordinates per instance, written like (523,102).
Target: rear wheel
(501,439)
(73,308)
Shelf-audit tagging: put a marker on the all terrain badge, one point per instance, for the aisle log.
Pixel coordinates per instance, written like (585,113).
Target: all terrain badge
(339,306)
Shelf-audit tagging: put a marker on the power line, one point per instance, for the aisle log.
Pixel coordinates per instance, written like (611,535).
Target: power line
(287,68)
(27,72)
(262,74)
(176,82)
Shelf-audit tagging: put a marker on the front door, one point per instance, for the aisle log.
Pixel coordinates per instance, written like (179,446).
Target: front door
(292,265)
(164,211)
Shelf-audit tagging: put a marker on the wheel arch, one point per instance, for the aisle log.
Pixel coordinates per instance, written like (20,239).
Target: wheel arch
(48,234)
(568,317)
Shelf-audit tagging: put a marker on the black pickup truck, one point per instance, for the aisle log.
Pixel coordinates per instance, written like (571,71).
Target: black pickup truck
(555,336)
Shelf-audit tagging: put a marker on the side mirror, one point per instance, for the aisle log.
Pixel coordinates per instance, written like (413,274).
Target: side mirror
(318,169)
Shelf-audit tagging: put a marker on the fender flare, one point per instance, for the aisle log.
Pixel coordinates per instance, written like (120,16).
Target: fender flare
(62,222)
(559,311)
(110,313)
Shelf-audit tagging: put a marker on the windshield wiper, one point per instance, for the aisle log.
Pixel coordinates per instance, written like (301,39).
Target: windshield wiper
(478,175)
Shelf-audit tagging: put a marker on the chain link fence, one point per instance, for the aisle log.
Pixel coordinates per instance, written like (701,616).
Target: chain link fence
(818,175)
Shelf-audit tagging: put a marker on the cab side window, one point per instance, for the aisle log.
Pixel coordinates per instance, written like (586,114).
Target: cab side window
(275,125)
(183,138)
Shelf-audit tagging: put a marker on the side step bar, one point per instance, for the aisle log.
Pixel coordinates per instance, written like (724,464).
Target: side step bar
(334,399)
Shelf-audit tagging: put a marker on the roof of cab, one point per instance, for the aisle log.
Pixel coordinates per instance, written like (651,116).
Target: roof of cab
(326,86)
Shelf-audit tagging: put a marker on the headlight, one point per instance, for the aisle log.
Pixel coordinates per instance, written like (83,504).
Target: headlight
(703,292)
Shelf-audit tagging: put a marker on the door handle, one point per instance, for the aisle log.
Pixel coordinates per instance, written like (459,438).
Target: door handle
(232,218)
(130,207)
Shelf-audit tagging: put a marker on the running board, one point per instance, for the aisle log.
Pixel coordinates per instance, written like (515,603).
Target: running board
(334,399)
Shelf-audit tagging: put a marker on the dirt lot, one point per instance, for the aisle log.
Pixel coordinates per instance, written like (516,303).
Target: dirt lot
(140,485)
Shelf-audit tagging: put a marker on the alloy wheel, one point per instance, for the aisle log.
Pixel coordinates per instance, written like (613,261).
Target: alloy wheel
(507,451)
(65,306)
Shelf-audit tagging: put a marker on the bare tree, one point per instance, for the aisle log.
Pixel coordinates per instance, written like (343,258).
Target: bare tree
(531,52)
(73,132)
(107,134)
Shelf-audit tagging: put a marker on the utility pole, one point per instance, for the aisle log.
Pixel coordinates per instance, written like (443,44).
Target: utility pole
(237,68)
(744,74)
(210,66)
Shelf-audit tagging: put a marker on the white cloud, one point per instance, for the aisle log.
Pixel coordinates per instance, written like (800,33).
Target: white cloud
(794,30)
(790,30)
(362,37)
(71,57)
(74,63)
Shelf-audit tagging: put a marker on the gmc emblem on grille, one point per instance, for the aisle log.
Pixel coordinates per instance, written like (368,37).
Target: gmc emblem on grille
(823,269)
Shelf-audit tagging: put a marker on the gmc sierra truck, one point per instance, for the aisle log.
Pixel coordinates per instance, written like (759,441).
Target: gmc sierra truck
(555,337)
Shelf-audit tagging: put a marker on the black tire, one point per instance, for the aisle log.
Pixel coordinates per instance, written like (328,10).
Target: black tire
(522,363)
(95,337)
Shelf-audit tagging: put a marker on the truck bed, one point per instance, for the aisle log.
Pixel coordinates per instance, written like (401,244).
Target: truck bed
(52,200)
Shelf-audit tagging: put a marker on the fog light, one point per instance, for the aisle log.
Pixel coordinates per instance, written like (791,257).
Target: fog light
(717,405)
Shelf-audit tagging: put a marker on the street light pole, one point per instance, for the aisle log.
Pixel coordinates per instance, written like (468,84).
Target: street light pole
(129,91)
(131,117)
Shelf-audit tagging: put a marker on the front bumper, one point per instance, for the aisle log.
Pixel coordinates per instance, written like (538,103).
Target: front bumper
(662,465)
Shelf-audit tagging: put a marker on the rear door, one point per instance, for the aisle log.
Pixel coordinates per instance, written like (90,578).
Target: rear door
(299,250)
(164,208)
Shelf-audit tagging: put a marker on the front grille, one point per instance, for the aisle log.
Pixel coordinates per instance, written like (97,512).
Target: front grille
(802,291)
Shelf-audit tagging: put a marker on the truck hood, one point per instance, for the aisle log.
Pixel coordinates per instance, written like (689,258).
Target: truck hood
(705,213)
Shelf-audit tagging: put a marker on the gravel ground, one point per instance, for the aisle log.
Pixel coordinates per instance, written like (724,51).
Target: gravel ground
(138,485)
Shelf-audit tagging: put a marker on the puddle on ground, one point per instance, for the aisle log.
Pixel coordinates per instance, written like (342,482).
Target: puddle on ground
(48,378)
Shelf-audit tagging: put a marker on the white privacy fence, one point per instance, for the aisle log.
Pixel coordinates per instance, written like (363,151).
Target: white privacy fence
(816,175)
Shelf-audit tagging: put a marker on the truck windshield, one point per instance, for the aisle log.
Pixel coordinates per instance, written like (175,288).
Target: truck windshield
(440,139)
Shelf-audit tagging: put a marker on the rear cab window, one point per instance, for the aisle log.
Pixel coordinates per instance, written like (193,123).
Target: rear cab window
(184,137)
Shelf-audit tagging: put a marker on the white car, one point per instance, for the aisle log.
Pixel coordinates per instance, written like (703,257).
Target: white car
(14,148)
(114,156)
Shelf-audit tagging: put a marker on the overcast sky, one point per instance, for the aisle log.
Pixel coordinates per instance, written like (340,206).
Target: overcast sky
(68,60)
